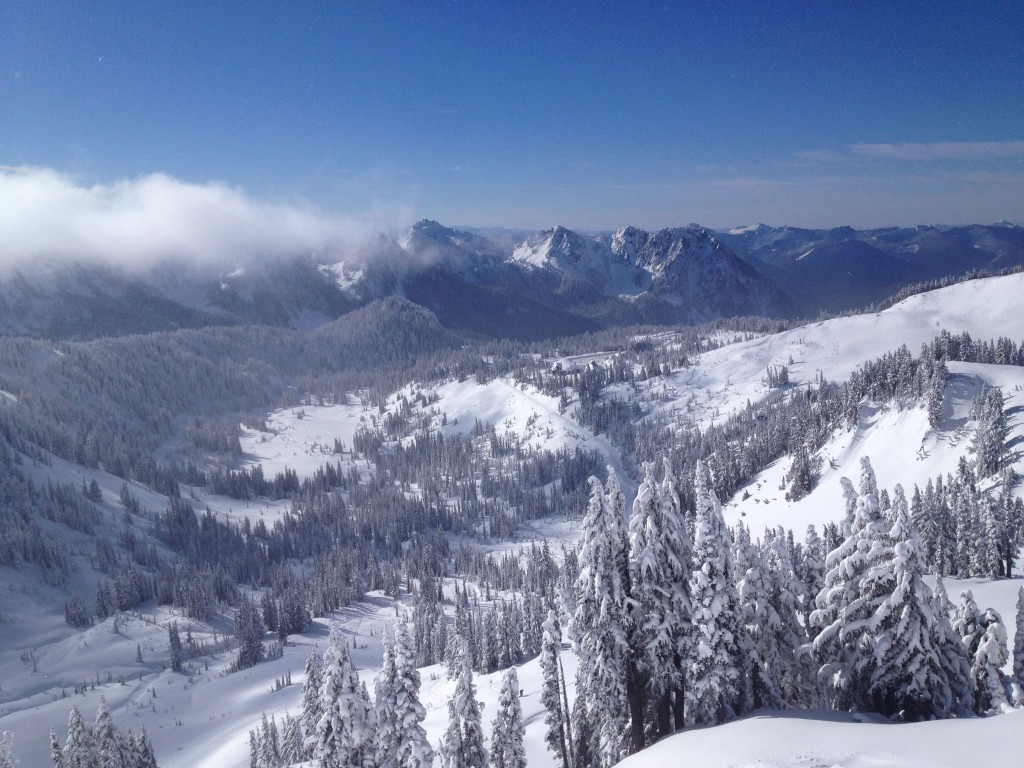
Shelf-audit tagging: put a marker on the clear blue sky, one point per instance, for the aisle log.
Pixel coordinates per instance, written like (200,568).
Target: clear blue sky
(592,115)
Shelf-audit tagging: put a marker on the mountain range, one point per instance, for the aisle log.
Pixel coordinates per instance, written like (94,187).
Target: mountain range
(503,284)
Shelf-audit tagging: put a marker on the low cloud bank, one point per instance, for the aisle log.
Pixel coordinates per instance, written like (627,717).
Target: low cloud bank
(47,215)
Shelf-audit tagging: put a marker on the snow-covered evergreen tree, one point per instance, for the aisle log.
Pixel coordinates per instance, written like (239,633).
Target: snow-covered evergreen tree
(507,730)
(107,743)
(1018,648)
(7,759)
(291,750)
(56,753)
(463,743)
(812,573)
(908,676)
(718,689)
(78,747)
(760,621)
(990,683)
(856,582)
(312,710)
(384,705)
(400,714)
(345,731)
(601,630)
(786,596)
(660,563)
(552,693)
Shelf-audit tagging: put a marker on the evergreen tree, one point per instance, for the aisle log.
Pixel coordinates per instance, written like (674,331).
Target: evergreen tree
(312,709)
(761,623)
(786,595)
(719,689)
(249,631)
(507,730)
(345,731)
(146,755)
(552,693)
(989,444)
(1018,649)
(990,657)
(56,753)
(661,560)
(908,676)
(291,741)
(107,743)
(78,747)
(600,624)
(856,582)
(401,740)
(174,641)
(812,573)
(463,744)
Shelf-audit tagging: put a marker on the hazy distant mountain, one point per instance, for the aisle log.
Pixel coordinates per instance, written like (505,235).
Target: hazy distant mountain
(499,283)
(844,268)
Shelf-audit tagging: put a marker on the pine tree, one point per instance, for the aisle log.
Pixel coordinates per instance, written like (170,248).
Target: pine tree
(384,703)
(174,641)
(56,753)
(107,744)
(463,744)
(249,630)
(146,755)
(291,741)
(1017,678)
(600,624)
(661,560)
(401,740)
(761,623)
(556,736)
(856,582)
(989,444)
(507,730)
(78,747)
(344,733)
(312,710)
(956,664)
(908,676)
(812,573)
(990,683)
(719,689)
(786,596)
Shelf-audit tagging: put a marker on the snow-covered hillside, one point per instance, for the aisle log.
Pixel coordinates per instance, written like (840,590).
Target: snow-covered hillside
(201,718)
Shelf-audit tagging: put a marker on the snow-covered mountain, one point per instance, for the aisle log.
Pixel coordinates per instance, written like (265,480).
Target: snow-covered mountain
(842,268)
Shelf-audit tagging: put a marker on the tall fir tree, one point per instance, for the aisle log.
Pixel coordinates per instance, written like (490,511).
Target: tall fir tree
(908,677)
(411,748)
(991,687)
(312,709)
(601,631)
(345,731)
(507,731)
(856,582)
(661,559)
(463,743)
(718,690)
(556,735)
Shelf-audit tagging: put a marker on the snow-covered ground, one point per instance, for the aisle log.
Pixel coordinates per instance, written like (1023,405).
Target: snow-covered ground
(201,719)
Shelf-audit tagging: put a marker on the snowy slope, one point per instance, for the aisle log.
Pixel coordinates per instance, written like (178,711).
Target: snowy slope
(724,379)
(901,445)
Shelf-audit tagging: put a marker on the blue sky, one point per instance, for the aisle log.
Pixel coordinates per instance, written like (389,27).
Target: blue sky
(591,115)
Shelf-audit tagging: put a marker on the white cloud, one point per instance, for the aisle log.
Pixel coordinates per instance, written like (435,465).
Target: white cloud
(137,222)
(941,150)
